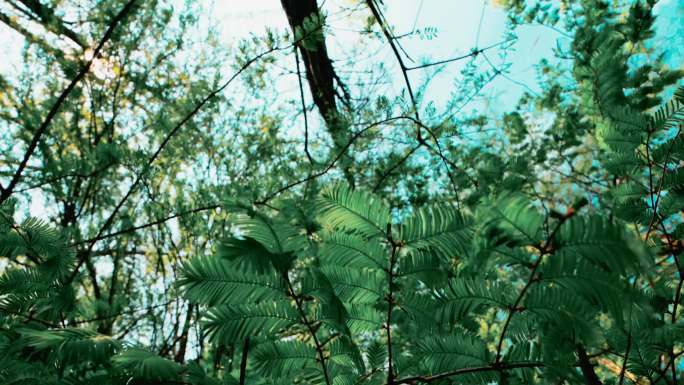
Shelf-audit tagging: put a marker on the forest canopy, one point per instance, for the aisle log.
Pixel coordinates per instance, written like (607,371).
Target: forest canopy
(349,193)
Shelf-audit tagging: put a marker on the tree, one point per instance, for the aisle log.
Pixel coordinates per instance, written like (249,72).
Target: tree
(193,234)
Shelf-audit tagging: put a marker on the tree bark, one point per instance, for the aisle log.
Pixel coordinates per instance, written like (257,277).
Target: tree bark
(322,79)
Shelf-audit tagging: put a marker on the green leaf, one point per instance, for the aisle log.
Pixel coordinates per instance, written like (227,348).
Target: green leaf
(456,351)
(464,297)
(233,323)
(339,207)
(567,311)
(606,292)
(363,318)
(145,365)
(213,281)
(276,236)
(72,345)
(424,265)
(629,191)
(597,240)
(376,354)
(282,358)
(515,215)
(625,132)
(250,256)
(345,353)
(343,249)
(670,115)
(355,285)
(441,228)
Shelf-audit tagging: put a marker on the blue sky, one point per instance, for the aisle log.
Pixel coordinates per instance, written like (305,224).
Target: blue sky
(460,26)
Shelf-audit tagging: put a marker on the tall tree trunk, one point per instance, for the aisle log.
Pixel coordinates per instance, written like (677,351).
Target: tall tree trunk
(322,78)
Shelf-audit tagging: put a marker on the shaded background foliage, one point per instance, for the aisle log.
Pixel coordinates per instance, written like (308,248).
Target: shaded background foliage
(157,170)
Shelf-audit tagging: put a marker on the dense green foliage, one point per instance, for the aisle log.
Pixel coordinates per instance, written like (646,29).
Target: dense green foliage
(189,235)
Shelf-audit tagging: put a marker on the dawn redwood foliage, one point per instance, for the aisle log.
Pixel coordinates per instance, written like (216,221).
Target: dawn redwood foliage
(186,236)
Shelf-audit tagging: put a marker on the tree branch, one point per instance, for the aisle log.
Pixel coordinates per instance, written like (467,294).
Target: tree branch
(390,170)
(306,121)
(587,368)
(243,362)
(146,225)
(402,66)
(476,51)
(330,165)
(50,20)
(319,347)
(31,38)
(544,250)
(110,219)
(624,360)
(458,372)
(390,303)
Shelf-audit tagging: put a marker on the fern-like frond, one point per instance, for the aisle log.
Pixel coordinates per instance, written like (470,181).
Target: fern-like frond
(597,240)
(15,281)
(145,365)
(345,249)
(423,264)
(441,228)
(604,291)
(628,191)
(670,115)
(26,288)
(455,351)
(670,151)
(330,308)
(340,207)
(671,202)
(355,285)
(213,281)
(465,297)
(376,354)
(622,163)
(514,215)
(344,352)
(38,240)
(674,181)
(559,307)
(233,323)
(250,256)
(625,131)
(283,358)
(71,346)
(276,236)
(363,318)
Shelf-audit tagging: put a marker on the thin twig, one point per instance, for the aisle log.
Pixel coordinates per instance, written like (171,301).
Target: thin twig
(243,362)
(319,347)
(390,303)
(624,360)
(402,66)
(306,121)
(462,371)
(149,224)
(330,165)
(473,53)
(167,139)
(544,250)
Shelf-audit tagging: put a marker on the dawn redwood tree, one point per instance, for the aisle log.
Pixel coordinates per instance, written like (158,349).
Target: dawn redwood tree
(198,225)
